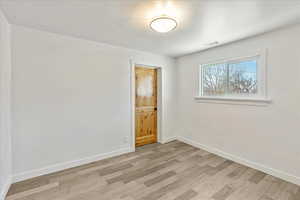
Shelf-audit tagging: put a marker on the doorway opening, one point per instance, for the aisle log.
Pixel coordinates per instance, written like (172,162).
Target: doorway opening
(146,104)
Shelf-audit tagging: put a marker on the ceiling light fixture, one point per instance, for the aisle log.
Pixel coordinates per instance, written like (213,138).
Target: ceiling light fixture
(163,24)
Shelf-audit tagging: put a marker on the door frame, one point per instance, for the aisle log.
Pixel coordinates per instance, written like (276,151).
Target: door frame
(133,64)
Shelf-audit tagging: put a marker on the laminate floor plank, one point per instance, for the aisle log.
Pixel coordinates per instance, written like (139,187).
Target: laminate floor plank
(172,171)
(257,177)
(160,178)
(187,195)
(238,172)
(223,193)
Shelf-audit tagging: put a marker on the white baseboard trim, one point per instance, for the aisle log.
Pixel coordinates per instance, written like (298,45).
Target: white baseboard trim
(268,170)
(168,140)
(67,165)
(5,189)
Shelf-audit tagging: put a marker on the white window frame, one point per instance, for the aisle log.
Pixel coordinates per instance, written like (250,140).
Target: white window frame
(261,98)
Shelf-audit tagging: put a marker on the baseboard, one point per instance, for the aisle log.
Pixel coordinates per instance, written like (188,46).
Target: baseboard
(268,170)
(5,189)
(67,165)
(169,140)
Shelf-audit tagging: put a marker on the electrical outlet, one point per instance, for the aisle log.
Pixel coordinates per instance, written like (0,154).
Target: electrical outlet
(125,140)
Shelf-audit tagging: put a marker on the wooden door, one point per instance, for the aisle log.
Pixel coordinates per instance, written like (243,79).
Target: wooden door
(145,106)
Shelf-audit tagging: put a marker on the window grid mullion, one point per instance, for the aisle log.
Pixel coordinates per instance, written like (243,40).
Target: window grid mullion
(227,78)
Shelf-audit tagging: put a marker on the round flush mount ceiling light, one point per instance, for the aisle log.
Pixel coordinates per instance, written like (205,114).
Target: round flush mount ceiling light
(163,24)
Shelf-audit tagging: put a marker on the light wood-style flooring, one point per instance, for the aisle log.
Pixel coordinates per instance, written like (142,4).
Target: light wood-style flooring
(172,171)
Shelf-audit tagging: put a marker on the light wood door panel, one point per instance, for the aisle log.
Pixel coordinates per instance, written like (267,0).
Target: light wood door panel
(145,106)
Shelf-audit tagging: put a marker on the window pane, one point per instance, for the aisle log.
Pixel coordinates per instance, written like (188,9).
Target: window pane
(230,78)
(214,79)
(242,78)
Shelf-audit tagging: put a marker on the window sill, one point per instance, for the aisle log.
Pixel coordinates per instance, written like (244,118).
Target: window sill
(233,100)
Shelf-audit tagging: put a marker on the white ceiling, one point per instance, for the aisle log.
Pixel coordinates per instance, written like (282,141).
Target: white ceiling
(126,22)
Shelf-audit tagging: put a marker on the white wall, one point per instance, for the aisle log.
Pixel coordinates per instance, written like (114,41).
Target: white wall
(71,99)
(5,75)
(267,137)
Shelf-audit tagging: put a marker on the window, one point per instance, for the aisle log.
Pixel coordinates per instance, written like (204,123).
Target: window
(239,79)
